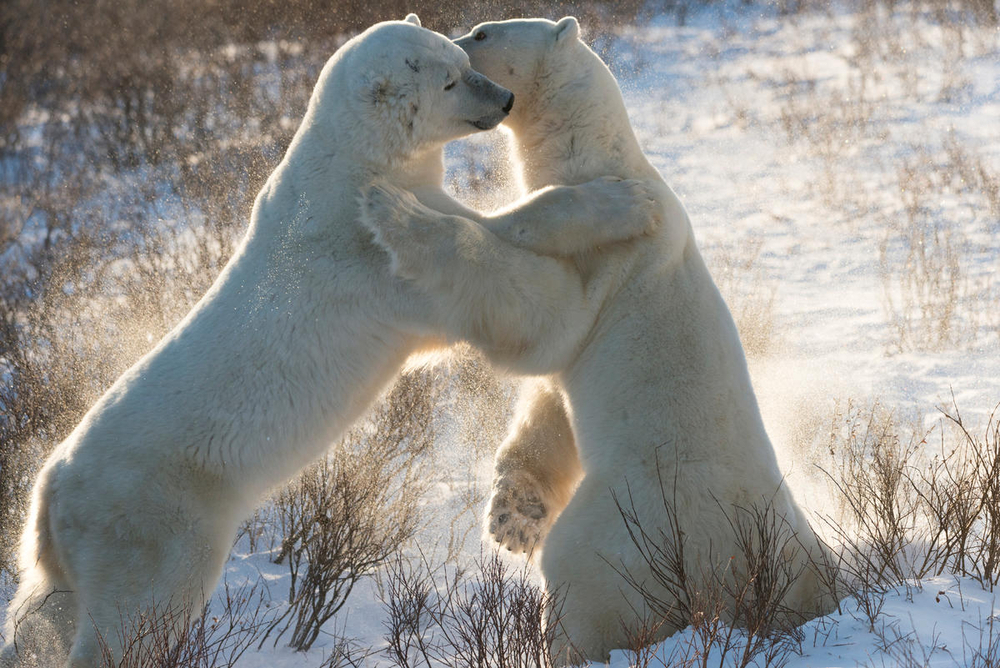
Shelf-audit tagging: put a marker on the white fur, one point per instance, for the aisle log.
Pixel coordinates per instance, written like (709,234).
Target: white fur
(659,383)
(301,331)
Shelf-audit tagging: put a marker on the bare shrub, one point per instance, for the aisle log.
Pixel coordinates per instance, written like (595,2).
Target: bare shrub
(911,510)
(969,507)
(495,618)
(259,529)
(162,636)
(981,644)
(906,649)
(973,175)
(348,513)
(641,647)
(832,123)
(346,653)
(734,607)
(873,481)
(930,297)
(886,533)
(410,598)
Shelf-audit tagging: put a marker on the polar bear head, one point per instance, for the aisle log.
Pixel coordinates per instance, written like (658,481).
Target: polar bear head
(398,89)
(522,54)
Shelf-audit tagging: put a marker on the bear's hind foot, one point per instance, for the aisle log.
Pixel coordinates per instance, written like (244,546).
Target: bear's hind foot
(519,516)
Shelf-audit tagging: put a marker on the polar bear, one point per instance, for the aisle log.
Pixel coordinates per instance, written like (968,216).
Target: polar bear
(652,408)
(303,328)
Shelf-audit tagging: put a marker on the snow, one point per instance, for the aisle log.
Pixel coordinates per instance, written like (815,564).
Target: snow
(937,622)
(712,103)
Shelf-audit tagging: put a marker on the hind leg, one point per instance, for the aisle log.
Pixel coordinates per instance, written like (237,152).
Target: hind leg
(143,593)
(86,650)
(39,620)
(584,562)
(121,622)
(537,468)
(132,631)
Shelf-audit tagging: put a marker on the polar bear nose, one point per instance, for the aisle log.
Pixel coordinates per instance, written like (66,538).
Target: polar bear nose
(509,105)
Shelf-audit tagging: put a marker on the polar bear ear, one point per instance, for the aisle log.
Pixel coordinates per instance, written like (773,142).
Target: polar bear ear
(412,18)
(567,30)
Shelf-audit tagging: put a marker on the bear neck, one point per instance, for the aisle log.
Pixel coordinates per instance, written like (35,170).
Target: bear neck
(343,155)
(586,117)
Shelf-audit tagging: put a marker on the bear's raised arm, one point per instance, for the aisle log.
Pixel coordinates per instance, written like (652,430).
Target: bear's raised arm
(525,311)
(566,220)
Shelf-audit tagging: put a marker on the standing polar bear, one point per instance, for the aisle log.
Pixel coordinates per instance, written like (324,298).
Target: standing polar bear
(659,396)
(303,328)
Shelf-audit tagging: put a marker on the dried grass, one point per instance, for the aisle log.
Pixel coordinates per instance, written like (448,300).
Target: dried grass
(163,637)
(350,512)
(439,616)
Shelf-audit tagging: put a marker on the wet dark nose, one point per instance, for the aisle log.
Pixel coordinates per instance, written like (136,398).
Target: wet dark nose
(510,104)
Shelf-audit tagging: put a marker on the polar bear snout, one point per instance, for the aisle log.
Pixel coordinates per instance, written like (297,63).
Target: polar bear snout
(495,100)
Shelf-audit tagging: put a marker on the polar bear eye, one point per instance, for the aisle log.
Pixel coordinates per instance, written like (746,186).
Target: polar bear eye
(479,36)
(450,86)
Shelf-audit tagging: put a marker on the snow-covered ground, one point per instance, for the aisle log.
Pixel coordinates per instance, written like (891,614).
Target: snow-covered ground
(709,105)
(936,622)
(819,155)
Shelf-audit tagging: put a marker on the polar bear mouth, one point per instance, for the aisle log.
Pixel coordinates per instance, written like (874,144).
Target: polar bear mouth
(485,123)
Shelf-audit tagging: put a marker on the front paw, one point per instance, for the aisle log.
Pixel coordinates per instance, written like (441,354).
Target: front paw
(632,206)
(519,515)
(386,208)
(388,212)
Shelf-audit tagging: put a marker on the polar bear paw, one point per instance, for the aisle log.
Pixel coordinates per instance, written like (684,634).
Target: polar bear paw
(633,204)
(519,515)
(396,219)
